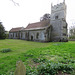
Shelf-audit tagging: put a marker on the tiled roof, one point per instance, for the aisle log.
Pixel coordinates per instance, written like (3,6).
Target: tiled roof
(16,29)
(32,26)
(37,25)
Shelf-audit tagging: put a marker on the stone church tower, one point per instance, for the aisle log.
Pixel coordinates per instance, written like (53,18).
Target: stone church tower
(58,22)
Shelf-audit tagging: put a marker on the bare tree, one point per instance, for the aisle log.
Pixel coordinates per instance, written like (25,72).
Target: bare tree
(15,3)
(45,17)
(72,32)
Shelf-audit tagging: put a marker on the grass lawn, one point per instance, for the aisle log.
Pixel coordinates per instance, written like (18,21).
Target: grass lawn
(32,53)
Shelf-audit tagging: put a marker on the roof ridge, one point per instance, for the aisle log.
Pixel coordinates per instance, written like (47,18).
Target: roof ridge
(43,23)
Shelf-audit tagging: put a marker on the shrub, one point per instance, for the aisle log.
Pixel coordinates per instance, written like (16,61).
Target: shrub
(50,68)
(5,50)
(66,61)
(73,73)
(28,55)
(53,68)
(31,71)
(38,60)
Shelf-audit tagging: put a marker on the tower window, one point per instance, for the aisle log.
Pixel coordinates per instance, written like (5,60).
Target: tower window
(56,17)
(64,34)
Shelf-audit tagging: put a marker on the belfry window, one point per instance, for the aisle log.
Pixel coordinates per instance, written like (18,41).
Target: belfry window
(56,17)
(64,34)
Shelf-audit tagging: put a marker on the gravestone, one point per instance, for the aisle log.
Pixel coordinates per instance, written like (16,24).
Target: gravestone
(20,69)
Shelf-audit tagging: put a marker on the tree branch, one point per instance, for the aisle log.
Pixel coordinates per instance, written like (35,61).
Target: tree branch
(15,3)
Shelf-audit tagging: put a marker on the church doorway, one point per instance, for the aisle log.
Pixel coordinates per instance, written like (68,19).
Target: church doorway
(31,38)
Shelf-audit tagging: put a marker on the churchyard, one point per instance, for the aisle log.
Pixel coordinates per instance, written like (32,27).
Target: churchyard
(37,57)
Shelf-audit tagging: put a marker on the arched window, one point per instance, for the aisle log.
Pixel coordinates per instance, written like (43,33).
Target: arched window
(13,34)
(21,34)
(26,34)
(56,17)
(37,35)
(16,34)
(31,38)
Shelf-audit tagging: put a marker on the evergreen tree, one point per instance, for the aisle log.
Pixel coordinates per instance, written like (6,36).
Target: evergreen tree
(2,31)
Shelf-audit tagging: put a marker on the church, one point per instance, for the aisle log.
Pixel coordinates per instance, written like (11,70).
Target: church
(51,28)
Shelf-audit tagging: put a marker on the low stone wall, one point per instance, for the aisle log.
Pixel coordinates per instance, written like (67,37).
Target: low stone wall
(71,39)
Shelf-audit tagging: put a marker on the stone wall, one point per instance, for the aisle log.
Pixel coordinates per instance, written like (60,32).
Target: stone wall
(37,35)
(42,35)
(10,35)
(14,35)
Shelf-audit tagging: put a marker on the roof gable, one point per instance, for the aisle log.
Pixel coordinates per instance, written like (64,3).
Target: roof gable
(16,29)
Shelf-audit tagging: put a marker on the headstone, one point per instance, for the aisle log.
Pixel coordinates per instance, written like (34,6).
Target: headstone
(20,69)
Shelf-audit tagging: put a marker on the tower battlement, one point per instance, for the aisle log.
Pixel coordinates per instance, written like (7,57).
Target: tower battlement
(59,11)
(54,6)
(58,7)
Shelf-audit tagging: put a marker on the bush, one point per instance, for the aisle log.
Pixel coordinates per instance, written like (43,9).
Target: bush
(5,50)
(50,68)
(37,60)
(53,68)
(73,73)
(31,71)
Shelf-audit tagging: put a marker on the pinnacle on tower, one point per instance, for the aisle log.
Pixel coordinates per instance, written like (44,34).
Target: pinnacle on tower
(64,1)
(51,4)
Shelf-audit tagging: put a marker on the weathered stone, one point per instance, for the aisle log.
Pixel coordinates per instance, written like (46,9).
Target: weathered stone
(20,69)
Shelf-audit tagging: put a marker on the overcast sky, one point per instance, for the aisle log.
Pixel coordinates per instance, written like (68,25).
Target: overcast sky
(24,12)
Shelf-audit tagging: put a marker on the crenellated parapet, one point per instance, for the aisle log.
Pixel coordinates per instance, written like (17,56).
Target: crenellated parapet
(58,7)
(58,10)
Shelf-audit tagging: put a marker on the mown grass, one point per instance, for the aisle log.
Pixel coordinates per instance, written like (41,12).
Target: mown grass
(32,53)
